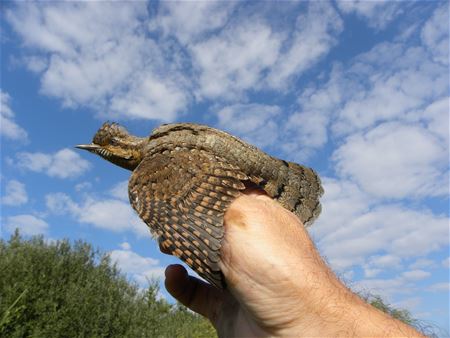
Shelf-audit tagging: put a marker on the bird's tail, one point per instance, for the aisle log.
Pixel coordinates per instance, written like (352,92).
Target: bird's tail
(299,191)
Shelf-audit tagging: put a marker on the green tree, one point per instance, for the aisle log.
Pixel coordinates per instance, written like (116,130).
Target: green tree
(60,289)
(401,314)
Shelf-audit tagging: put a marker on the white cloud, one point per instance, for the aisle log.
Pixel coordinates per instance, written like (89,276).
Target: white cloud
(410,304)
(315,34)
(342,202)
(439,287)
(414,275)
(56,28)
(377,14)
(386,288)
(392,105)
(140,268)
(36,64)
(304,131)
(379,263)
(190,21)
(256,123)
(307,128)
(397,231)
(370,272)
(8,127)
(108,214)
(436,117)
(113,215)
(446,263)
(435,35)
(83,186)
(224,75)
(347,106)
(131,261)
(422,263)
(15,193)
(125,246)
(102,47)
(60,204)
(34,161)
(28,225)
(395,288)
(356,230)
(310,128)
(385,261)
(395,161)
(389,82)
(150,97)
(65,163)
(120,190)
(116,67)
(353,228)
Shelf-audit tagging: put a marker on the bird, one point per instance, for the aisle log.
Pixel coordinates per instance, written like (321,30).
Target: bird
(184,177)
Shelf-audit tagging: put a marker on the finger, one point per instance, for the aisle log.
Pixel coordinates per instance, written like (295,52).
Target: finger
(197,295)
(253,189)
(163,248)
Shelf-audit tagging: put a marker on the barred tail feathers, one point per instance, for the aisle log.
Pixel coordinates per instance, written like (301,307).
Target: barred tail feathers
(298,191)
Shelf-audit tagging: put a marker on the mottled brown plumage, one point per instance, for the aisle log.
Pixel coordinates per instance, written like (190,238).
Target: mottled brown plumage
(186,175)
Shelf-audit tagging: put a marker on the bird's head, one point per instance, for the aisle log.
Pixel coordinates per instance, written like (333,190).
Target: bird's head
(116,145)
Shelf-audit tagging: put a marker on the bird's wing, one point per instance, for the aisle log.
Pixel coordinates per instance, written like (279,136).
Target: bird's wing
(182,195)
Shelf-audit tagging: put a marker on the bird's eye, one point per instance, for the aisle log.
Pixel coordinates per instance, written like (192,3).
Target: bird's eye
(113,141)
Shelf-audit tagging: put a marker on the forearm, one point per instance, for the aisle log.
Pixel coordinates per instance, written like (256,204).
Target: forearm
(277,275)
(329,308)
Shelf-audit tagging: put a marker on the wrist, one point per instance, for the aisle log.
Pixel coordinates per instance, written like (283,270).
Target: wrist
(275,272)
(327,307)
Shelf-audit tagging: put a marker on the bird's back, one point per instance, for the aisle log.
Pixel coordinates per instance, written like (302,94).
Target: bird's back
(191,173)
(296,187)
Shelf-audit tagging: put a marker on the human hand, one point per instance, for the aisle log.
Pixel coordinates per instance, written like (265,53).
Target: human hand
(251,254)
(277,284)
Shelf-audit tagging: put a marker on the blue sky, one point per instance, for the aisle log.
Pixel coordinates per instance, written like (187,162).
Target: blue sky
(357,90)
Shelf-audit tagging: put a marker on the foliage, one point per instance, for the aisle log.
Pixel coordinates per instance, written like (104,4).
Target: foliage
(60,289)
(402,315)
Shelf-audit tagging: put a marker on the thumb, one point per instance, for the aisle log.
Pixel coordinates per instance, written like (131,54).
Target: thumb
(197,295)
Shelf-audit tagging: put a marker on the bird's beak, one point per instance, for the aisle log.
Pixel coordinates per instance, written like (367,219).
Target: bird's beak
(89,147)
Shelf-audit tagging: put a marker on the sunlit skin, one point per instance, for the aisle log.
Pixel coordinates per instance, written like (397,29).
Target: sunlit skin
(278,285)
